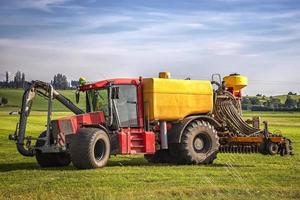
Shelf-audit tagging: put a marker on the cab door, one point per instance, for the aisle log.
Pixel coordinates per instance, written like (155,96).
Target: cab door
(133,138)
(126,106)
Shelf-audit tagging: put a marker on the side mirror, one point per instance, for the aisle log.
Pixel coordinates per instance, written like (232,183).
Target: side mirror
(77,96)
(115,92)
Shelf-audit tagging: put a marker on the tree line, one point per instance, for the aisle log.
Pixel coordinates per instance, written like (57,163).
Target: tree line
(263,103)
(18,80)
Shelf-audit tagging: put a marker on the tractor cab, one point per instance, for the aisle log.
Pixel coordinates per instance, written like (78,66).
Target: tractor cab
(121,101)
(118,99)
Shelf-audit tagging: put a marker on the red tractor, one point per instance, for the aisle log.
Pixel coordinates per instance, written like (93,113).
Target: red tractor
(166,120)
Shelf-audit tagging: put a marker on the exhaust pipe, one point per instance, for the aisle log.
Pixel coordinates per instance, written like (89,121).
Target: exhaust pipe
(163,135)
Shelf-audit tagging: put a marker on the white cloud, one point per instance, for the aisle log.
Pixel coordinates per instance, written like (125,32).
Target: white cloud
(225,48)
(191,44)
(44,5)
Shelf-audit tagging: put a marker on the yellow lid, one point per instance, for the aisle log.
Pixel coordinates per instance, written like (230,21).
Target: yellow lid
(164,75)
(235,81)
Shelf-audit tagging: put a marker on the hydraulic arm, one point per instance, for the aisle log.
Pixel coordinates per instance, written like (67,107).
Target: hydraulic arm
(47,91)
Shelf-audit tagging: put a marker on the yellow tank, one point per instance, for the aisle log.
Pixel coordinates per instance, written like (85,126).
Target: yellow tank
(172,99)
(235,81)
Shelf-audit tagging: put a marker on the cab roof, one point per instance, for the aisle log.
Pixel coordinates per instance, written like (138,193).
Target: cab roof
(117,81)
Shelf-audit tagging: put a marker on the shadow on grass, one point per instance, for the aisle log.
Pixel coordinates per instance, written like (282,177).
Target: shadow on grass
(134,162)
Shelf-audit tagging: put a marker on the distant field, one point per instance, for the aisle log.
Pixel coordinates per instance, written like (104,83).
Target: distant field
(281,97)
(232,176)
(14,97)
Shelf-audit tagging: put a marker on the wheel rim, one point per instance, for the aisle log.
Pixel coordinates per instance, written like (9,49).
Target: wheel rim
(198,144)
(99,150)
(202,143)
(273,148)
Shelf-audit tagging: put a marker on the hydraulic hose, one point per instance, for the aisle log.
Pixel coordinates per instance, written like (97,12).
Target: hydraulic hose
(25,110)
(227,109)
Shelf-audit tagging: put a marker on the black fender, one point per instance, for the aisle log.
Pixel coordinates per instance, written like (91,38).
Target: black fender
(175,133)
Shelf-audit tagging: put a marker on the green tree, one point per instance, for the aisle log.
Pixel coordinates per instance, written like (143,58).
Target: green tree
(246,103)
(6,78)
(290,102)
(246,100)
(255,101)
(18,80)
(275,102)
(23,80)
(60,82)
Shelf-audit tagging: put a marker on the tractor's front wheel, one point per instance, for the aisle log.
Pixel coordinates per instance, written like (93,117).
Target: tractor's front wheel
(90,148)
(50,159)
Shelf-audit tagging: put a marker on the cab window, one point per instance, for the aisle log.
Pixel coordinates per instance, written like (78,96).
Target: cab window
(126,105)
(97,100)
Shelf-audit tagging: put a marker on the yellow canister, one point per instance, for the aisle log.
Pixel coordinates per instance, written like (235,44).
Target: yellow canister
(173,99)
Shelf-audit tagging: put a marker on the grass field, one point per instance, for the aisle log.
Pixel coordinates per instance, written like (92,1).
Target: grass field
(232,176)
(14,97)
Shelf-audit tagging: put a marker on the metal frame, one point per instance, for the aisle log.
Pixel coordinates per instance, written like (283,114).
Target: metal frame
(47,91)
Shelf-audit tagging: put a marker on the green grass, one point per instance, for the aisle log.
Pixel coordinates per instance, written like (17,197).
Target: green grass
(14,97)
(232,176)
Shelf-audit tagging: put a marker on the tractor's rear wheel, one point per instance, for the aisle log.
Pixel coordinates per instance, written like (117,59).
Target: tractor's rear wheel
(199,144)
(50,159)
(90,148)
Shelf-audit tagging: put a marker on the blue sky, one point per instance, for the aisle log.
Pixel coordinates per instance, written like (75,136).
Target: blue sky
(131,38)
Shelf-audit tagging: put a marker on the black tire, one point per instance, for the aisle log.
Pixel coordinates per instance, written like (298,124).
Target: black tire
(272,148)
(90,148)
(199,144)
(213,157)
(263,148)
(51,159)
(268,148)
(160,156)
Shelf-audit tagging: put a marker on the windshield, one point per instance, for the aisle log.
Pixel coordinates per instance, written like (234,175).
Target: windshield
(126,104)
(97,100)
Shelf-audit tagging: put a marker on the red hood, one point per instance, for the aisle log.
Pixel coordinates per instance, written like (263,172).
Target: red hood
(71,124)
